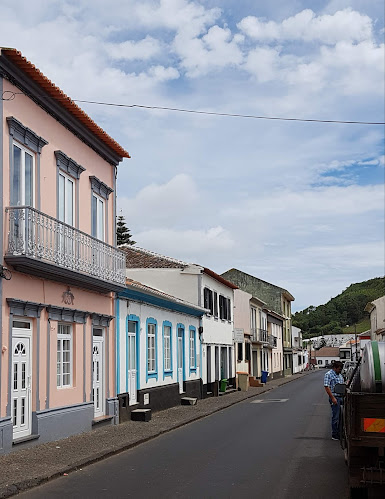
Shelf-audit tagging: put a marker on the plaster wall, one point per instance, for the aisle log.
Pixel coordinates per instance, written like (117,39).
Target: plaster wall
(172,281)
(146,311)
(44,334)
(59,138)
(242,310)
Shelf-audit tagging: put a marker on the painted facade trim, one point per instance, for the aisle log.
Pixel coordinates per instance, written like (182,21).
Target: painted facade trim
(182,327)
(24,308)
(101,319)
(25,135)
(159,302)
(68,165)
(154,374)
(117,353)
(193,329)
(100,187)
(66,314)
(134,318)
(170,371)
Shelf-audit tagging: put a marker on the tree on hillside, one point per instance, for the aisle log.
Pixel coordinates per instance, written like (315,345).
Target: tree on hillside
(123,234)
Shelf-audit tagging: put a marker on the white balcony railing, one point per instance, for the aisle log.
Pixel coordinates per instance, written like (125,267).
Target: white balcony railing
(41,237)
(260,335)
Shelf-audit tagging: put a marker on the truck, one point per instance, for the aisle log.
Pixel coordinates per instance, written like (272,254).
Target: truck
(363,424)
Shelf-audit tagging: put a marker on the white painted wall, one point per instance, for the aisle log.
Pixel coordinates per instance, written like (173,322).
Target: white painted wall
(277,353)
(322,361)
(145,311)
(188,284)
(183,284)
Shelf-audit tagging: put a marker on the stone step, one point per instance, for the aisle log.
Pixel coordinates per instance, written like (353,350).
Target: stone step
(141,415)
(188,401)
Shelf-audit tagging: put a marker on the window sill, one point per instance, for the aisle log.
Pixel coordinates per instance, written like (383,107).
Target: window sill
(167,374)
(152,375)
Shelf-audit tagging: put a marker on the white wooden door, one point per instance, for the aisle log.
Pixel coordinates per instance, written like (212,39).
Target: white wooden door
(21,385)
(98,376)
(131,362)
(180,359)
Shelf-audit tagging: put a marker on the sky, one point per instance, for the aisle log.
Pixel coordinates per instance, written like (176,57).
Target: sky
(300,205)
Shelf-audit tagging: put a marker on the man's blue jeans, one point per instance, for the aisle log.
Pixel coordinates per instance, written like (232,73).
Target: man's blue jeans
(336,417)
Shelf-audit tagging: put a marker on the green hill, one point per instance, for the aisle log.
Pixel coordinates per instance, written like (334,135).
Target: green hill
(337,313)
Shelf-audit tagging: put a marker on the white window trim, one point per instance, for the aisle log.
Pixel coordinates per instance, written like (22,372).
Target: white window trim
(99,198)
(165,367)
(33,154)
(192,349)
(61,337)
(73,180)
(150,327)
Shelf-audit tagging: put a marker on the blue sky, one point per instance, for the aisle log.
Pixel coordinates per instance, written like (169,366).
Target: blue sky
(297,204)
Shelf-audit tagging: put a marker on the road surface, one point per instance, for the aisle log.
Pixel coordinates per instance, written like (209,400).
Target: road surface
(277,445)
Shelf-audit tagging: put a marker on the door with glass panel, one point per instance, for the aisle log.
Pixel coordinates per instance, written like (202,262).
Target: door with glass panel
(22,194)
(98,372)
(131,361)
(21,378)
(66,207)
(180,359)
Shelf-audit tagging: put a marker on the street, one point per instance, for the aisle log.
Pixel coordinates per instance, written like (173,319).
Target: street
(277,445)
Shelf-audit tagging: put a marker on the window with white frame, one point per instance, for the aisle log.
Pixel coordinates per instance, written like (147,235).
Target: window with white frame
(192,349)
(66,198)
(167,348)
(64,355)
(151,350)
(98,217)
(23,175)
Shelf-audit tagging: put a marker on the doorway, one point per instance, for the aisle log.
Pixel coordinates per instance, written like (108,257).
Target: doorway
(21,378)
(98,372)
(132,371)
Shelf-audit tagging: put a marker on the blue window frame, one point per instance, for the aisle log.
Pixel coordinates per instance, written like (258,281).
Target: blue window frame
(167,348)
(192,349)
(151,348)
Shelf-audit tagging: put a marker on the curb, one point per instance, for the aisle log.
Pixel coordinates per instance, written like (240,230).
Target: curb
(16,488)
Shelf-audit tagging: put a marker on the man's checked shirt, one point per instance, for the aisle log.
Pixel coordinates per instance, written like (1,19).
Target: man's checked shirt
(331,379)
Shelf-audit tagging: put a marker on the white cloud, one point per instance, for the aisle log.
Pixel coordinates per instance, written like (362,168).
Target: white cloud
(307,26)
(215,50)
(144,49)
(189,245)
(161,204)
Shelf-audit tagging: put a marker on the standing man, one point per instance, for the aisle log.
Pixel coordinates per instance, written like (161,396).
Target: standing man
(333,377)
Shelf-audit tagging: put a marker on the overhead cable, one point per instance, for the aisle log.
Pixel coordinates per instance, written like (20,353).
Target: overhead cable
(209,113)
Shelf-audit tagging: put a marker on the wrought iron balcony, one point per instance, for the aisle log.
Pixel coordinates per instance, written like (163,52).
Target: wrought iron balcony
(272,341)
(259,335)
(41,245)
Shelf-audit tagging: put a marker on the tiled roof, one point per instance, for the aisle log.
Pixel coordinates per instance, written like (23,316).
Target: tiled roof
(328,352)
(130,283)
(62,99)
(139,258)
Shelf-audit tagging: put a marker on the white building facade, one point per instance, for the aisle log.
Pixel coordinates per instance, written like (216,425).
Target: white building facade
(299,359)
(158,349)
(203,288)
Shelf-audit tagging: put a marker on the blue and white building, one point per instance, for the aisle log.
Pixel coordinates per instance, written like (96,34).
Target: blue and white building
(158,349)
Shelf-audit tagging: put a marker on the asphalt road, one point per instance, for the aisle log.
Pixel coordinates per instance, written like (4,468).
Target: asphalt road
(258,448)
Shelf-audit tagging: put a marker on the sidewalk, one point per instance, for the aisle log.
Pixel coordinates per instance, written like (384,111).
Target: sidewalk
(27,468)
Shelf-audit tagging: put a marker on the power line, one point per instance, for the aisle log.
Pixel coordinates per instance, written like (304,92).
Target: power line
(209,113)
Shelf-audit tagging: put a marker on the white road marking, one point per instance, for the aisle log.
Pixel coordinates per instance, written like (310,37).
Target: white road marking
(267,401)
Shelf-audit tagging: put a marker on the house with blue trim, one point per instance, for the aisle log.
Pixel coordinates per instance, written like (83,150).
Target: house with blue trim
(158,348)
(205,289)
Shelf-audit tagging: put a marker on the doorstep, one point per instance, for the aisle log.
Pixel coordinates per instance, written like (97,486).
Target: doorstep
(22,440)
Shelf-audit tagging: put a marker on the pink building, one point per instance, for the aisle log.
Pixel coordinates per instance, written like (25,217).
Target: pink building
(57,237)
